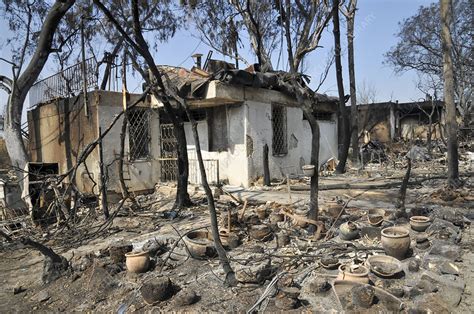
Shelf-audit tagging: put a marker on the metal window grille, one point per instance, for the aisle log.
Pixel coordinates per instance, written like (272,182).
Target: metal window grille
(139,133)
(279,138)
(169,153)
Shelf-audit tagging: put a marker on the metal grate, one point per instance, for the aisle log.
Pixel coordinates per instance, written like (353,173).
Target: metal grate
(66,83)
(279,138)
(139,133)
(168,160)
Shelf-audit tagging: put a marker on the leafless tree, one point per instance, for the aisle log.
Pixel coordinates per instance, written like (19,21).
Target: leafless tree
(448,75)
(163,90)
(23,78)
(349,11)
(343,119)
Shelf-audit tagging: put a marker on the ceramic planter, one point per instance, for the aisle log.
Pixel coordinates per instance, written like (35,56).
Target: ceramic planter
(396,241)
(199,244)
(137,262)
(308,170)
(383,265)
(356,273)
(348,231)
(420,223)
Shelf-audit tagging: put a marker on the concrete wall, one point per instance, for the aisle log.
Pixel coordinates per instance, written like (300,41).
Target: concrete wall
(139,175)
(233,163)
(259,130)
(60,130)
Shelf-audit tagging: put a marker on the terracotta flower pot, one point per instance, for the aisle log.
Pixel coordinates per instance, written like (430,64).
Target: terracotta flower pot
(137,262)
(420,223)
(199,244)
(396,241)
(357,273)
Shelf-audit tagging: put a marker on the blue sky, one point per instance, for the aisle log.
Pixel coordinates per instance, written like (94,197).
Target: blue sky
(376,26)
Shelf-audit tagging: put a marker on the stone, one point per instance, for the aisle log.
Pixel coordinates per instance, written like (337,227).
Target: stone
(186,297)
(414,265)
(284,303)
(42,296)
(18,289)
(160,289)
(363,296)
(319,285)
(397,291)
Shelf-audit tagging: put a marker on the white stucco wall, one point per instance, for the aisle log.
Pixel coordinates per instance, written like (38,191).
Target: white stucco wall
(298,137)
(251,121)
(233,163)
(142,174)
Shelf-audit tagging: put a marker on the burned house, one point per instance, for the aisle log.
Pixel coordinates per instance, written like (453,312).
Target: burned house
(236,114)
(387,121)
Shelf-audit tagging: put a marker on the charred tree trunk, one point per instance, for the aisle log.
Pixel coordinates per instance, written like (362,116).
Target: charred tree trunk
(313,198)
(266,168)
(21,85)
(182,196)
(108,67)
(342,112)
(448,74)
(403,192)
(230,275)
(352,84)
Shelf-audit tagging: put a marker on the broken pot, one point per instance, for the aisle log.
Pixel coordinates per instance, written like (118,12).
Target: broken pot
(420,223)
(375,216)
(199,244)
(260,232)
(357,273)
(137,262)
(396,241)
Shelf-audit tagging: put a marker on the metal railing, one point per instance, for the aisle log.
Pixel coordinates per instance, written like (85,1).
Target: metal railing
(66,83)
(169,170)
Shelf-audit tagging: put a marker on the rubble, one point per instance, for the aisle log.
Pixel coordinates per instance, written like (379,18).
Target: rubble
(279,265)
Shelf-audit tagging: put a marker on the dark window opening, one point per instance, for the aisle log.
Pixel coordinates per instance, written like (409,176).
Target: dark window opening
(322,116)
(279,131)
(217,124)
(139,133)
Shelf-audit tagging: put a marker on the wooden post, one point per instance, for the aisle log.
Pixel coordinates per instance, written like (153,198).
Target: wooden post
(266,169)
(103,188)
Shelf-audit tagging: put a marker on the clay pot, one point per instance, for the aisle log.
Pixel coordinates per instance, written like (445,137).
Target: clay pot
(137,262)
(357,273)
(348,231)
(260,232)
(308,170)
(396,241)
(330,263)
(199,244)
(383,265)
(420,223)
(375,216)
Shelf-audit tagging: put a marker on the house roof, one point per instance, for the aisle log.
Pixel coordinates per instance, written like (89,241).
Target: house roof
(195,85)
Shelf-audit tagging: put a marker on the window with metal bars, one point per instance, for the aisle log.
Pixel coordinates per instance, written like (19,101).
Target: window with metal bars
(139,133)
(279,131)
